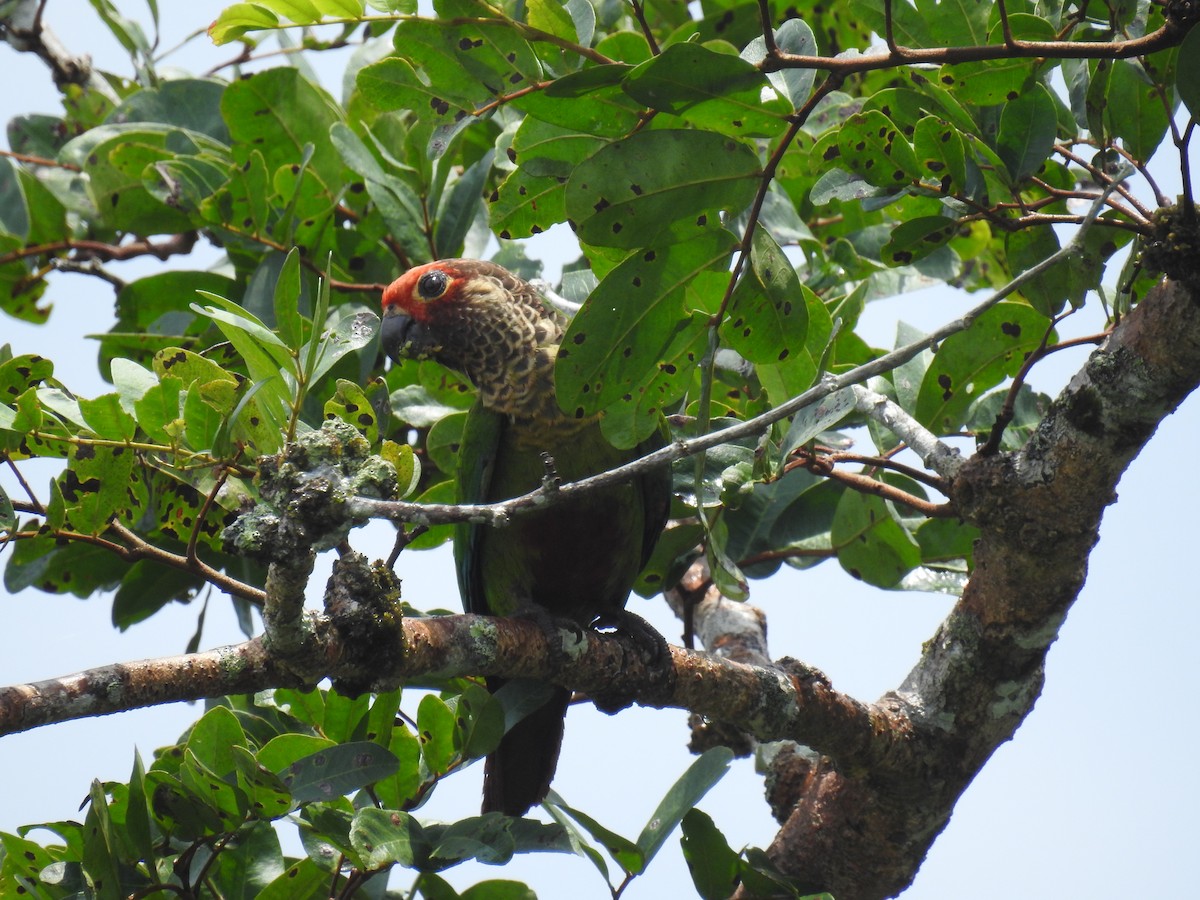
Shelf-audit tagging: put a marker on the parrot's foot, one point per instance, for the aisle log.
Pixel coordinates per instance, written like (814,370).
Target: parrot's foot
(652,646)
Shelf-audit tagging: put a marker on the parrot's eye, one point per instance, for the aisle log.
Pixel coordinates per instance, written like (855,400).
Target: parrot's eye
(432,285)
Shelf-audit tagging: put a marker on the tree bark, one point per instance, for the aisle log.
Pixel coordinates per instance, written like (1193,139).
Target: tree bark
(863,833)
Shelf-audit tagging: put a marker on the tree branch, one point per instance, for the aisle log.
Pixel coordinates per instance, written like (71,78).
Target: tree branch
(1038,511)
(772,703)
(23,30)
(1169,35)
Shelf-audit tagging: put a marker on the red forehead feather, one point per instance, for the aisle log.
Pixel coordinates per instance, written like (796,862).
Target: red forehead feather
(402,292)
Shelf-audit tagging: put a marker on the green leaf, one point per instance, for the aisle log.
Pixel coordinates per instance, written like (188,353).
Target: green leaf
(286,302)
(533,196)
(909,27)
(496,889)
(401,789)
(338,770)
(629,856)
(229,313)
(939,150)
(916,238)
(590,101)
(303,880)
(282,750)
(1134,110)
(148,587)
(79,569)
(711,90)
(190,103)
(482,721)
(973,361)
(213,738)
(106,418)
(873,147)
(1028,127)
(100,848)
(714,865)
(956,22)
(871,544)
(437,731)
(240,19)
(460,206)
(768,313)
(351,332)
(727,575)
(14,213)
(383,836)
(349,403)
(635,326)
(699,778)
(1187,76)
(283,116)
(796,37)
(816,418)
(993,82)
(427,75)
(137,812)
(119,159)
(95,486)
(659,185)
(344,718)
(1049,291)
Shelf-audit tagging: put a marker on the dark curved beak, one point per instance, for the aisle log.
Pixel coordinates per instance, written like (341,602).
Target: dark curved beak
(397,333)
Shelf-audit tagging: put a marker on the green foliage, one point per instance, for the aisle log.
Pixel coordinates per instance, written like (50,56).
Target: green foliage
(735,213)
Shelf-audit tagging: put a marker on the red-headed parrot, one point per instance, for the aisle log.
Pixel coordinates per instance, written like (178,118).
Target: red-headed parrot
(575,560)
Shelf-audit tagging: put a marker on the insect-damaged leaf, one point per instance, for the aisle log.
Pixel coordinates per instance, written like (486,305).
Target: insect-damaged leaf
(768,316)
(625,343)
(973,361)
(873,147)
(657,187)
(427,73)
(710,90)
(917,238)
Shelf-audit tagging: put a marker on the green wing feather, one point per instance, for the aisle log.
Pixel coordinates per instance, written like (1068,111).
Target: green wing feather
(481,438)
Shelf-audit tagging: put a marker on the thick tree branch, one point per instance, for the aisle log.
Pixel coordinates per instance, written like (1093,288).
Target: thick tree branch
(23,30)
(772,703)
(1039,513)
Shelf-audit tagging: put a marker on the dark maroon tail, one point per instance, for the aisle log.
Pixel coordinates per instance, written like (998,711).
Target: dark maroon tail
(517,775)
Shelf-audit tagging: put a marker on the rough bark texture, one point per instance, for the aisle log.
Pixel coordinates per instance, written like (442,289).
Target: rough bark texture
(862,833)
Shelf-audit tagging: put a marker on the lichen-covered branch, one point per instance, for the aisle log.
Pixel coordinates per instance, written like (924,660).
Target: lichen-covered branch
(1038,511)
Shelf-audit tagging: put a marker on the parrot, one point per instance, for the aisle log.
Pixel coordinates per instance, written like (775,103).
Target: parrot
(575,559)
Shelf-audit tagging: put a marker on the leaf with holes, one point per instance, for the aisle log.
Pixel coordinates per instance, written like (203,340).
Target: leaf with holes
(872,147)
(916,238)
(992,82)
(659,186)
(1028,126)
(939,151)
(532,197)
(768,313)
(635,322)
(711,90)
(871,544)
(589,101)
(970,363)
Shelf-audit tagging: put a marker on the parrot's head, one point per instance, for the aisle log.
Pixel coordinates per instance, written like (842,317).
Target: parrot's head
(479,319)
